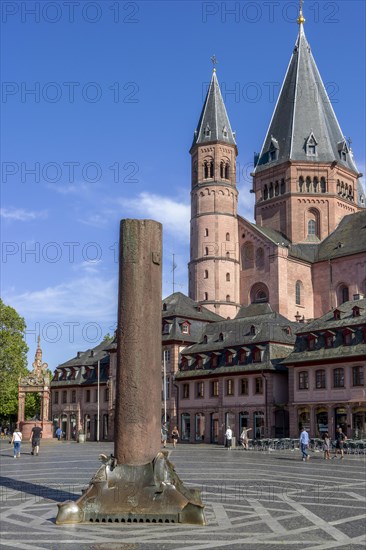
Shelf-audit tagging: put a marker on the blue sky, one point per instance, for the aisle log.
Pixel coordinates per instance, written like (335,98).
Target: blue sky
(104,135)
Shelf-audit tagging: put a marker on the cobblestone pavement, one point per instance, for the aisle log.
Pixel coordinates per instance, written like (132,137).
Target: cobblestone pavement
(253,500)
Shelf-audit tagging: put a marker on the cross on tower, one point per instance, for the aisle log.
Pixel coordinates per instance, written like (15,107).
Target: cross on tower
(214,61)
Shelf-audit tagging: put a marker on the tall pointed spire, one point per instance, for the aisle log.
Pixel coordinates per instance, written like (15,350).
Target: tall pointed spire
(214,124)
(304,116)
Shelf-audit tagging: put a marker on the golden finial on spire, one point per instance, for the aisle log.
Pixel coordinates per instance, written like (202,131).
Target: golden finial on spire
(301,18)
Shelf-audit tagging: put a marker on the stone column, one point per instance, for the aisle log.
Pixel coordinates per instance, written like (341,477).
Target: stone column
(138,385)
(21,404)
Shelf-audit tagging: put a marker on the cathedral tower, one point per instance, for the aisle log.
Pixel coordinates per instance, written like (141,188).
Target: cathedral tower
(305,178)
(214,252)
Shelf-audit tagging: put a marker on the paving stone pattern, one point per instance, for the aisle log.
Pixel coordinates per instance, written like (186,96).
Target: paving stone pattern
(253,500)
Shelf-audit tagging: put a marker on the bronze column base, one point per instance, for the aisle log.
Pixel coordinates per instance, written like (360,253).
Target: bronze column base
(119,493)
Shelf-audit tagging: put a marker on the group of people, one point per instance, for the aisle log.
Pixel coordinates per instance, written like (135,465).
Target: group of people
(35,439)
(339,448)
(164,435)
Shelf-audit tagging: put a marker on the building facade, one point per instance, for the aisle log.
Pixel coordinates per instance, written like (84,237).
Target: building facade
(326,376)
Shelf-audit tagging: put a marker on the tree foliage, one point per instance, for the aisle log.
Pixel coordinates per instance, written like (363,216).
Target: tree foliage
(13,358)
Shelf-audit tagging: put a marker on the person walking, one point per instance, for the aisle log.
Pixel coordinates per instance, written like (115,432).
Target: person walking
(244,437)
(164,434)
(326,446)
(304,443)
(59,433)
(16,440)
(229,437)
(35,438)
(340,439)
(175,436)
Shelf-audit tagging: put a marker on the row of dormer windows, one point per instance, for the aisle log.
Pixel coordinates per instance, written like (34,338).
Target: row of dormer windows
(226,358)
(329,338)
(338,378)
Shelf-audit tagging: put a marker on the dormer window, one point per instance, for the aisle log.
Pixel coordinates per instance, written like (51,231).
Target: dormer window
(205,339)
(164,306)
(207,131)
(224,131)
(337,314)
(343,150)
(348,335)
(185,327)
(311,146)
(166,328)
(312,339)
(329,338)
(252,329)
(356,311)
(221,337)
(257,355)
(229,358)
(273,150)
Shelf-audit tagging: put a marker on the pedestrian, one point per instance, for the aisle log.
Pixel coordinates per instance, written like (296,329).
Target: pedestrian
(244,437)
(229,437)
(164,435)
(35,438)
(326,446)
(340,439)
(16,440)
(175,436)
(59,433)
(304,443)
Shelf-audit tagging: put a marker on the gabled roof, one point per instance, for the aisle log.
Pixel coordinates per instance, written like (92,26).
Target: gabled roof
(90,356)
(327,321)
(303,110)
(179,305)
(214,124)
(348,238)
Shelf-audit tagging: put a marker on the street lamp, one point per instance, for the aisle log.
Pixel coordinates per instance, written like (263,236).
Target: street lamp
(98,388)
(164,384)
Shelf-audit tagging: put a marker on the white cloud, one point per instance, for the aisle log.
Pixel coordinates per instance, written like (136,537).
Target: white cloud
(89,298)
(21,215)
(172,214)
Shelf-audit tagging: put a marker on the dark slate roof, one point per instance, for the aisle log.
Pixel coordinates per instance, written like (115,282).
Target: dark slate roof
(348,238)
(88,357)
(299,114)
(269,325)
(320,327)
(178,304)
(328,321)
(214,118)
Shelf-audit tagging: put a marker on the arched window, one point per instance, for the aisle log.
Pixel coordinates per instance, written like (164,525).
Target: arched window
(221,170)
(228,297)
(301,184)
(308,184)
(206,232)
(283,187)
(205,296)
(212,169)
(259,258)
(298,293)
(248,255)
(311,227)
(227,277)
(259,293)
(206,250)
(316,184)
(313,223)
(342,293)
(323,185)
(271,190)
(228,236)
(227,171)
(277,189)
(265,192)
(205,274)
(205,170)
